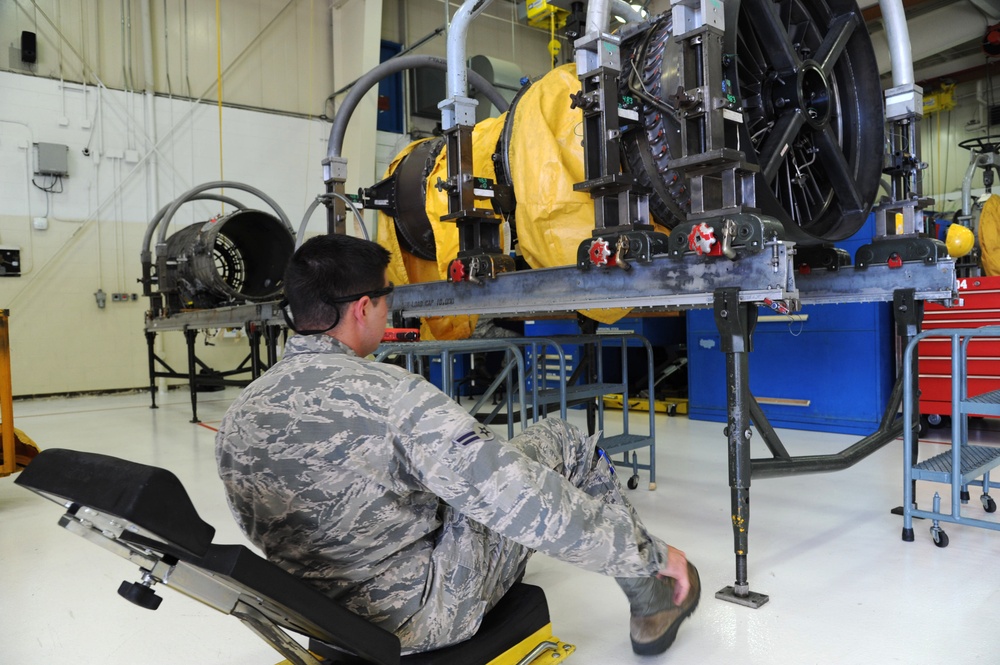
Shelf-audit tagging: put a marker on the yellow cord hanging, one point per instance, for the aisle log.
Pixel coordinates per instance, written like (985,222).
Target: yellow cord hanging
(554,46)
(218,64)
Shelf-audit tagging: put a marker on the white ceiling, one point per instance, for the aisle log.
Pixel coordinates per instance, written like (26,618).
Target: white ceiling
(945,36)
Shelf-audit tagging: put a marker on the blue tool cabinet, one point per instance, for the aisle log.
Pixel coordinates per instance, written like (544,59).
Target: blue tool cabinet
(827,368)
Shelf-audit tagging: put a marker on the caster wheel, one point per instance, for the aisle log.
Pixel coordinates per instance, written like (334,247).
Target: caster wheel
(939,536)
(672,410)
(922,427)
(989,505)
(140,595)
(633,482)
(935,420)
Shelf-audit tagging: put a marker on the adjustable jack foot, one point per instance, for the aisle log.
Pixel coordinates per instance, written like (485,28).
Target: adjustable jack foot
(742,596)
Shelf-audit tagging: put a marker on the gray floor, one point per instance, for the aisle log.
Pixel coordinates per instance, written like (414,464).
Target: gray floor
(843,586)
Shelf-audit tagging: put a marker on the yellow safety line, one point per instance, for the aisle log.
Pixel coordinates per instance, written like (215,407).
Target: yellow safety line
(6,399)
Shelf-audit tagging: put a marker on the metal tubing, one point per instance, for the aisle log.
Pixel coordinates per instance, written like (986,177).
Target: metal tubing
(738,378)
(155,222)
(151,358)
(218,184)
(967,186)
(626,11)
(736,321)
(767,432)
(338,130)
(458,31)
(900,54)
(597,16)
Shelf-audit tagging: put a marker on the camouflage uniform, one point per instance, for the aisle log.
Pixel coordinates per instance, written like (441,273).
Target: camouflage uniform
(372,484)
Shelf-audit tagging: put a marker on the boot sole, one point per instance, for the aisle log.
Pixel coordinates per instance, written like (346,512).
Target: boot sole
(663,642)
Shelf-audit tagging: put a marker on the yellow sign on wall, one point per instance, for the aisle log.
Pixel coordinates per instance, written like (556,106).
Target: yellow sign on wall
(940,100)
(539,14)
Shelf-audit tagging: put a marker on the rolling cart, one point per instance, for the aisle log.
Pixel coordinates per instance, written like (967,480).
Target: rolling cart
(963,465)
(541,374)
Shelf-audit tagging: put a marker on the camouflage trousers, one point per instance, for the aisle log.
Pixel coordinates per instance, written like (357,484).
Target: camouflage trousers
(473,567)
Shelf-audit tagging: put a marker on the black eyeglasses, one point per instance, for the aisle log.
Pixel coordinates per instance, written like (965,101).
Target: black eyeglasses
(385,291)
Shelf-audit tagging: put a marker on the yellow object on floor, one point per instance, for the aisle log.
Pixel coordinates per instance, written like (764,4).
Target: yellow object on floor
(16,448)
(24,449)
(671,407)
(540,647)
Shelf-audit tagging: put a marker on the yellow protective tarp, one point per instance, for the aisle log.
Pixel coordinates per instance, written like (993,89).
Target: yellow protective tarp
(545,155)
(989,236)
(546,160)
(404,267)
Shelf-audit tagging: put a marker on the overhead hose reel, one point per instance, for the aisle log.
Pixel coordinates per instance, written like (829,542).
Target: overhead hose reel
(239,257)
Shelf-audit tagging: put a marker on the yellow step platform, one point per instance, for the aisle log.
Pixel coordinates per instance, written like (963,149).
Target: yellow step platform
(671,407)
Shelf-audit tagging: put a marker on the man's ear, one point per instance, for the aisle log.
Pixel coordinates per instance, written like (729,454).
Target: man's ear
(358,308)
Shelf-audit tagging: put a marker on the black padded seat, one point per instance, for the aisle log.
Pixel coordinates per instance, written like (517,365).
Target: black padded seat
(521,613)
(154,500)
(147,496)
(159,523)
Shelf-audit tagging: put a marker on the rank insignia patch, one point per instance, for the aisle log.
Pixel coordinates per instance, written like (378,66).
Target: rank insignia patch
(478,433)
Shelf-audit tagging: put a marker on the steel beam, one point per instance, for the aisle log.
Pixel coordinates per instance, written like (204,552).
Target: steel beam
(665,283)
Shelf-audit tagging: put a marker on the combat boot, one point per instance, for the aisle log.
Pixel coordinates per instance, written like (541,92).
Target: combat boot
(655,617)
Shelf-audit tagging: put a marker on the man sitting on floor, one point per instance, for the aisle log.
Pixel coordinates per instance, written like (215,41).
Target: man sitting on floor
(374,486)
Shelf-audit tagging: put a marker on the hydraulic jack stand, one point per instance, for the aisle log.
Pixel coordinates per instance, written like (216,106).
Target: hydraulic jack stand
(736,322)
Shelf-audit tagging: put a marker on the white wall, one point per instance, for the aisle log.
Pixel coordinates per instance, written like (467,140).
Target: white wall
(86,92)
(941,134)
(61,341)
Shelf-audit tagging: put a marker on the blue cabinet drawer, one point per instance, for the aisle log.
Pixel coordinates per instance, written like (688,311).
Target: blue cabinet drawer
(824,378)
(812,318)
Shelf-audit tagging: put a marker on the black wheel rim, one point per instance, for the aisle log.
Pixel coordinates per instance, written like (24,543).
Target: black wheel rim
(805,75)
(812,107)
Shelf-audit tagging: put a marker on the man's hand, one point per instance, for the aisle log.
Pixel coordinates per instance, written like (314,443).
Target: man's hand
(677,569)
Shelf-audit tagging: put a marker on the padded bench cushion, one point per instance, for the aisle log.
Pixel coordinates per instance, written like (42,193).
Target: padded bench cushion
(147,496)
(520,613)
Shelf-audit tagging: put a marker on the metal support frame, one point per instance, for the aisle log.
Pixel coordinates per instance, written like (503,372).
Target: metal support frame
(480,255)
(262,323)
(622,228)
(736,321)
(721,179)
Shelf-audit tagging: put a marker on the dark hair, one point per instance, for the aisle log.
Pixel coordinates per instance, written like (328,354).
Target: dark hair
(329,267)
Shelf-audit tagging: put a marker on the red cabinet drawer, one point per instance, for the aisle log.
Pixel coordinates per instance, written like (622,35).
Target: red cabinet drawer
(980,307)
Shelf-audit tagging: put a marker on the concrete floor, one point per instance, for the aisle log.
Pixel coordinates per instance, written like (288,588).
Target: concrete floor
(843,586)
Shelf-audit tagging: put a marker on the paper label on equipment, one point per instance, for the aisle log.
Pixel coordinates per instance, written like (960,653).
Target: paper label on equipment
(731,115)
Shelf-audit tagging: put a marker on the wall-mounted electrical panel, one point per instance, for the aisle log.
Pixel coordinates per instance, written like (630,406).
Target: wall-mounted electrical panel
(51,159)
(10,261)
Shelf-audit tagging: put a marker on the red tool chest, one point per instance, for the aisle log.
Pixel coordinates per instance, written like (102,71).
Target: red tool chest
(981,307)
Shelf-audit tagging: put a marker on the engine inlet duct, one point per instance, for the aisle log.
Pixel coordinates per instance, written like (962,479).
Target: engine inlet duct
(232,259)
